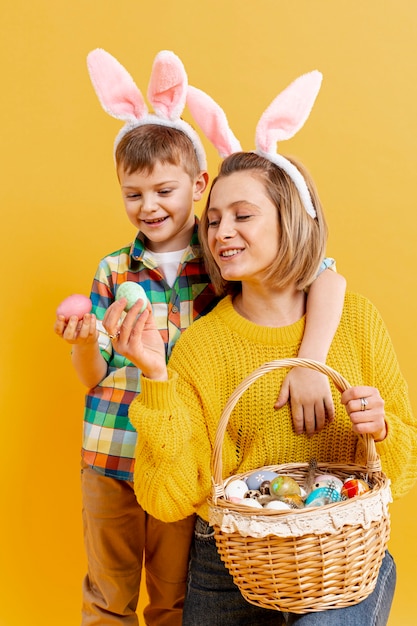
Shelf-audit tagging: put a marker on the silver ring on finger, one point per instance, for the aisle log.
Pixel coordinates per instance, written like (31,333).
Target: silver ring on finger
(364,404)
(115,336)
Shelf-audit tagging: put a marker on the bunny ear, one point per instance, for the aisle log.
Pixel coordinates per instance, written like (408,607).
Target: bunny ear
(288,111)
(115,88)
(213,122)
(168,85)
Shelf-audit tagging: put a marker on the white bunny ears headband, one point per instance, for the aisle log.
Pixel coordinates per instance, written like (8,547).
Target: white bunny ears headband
(281,120)
(167,91)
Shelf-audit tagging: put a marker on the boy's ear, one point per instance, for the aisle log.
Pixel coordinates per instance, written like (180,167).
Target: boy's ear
(200,185)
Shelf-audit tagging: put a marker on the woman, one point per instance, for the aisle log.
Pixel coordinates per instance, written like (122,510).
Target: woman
(263,250)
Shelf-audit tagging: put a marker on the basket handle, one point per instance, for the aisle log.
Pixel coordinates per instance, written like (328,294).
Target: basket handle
(373,462)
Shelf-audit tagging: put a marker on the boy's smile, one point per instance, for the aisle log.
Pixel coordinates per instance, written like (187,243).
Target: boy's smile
(160,204)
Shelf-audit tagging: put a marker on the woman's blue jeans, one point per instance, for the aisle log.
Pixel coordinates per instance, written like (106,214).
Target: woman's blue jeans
(214,600)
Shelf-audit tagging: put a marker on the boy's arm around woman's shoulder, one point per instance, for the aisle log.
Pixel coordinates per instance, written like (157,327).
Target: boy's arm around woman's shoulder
(172,451)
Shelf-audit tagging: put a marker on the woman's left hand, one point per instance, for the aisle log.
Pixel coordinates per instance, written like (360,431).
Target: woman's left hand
(365,408)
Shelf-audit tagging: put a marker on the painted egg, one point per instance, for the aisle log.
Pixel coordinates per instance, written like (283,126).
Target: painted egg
(293,500)
(236,489)
(277,505)
(251,502)
(255,479)
(328,480)
(132,292)
(252,493)
(76,304)
(284,486)
(354,487)
(321,496)
(264,488)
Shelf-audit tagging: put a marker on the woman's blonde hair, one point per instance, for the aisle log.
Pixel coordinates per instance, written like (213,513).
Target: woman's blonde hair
(302,239)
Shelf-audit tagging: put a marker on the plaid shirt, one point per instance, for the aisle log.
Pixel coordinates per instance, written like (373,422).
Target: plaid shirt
(109,438)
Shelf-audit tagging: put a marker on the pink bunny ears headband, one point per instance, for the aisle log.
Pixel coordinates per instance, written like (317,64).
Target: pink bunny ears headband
(167,91)
(281,120)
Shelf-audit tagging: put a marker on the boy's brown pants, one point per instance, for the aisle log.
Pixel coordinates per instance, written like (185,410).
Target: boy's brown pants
(120,538)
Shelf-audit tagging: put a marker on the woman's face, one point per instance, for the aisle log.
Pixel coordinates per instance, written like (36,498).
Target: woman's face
(242,227)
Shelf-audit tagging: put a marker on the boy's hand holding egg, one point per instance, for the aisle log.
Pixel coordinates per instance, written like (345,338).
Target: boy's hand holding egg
(71,322)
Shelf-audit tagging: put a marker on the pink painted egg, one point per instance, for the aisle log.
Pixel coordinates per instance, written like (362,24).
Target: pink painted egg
(76,304)
(328,480)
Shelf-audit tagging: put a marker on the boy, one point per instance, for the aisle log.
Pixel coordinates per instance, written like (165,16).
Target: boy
(161,169)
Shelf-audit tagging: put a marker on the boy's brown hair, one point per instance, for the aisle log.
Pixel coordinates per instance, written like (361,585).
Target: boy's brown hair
(146,145)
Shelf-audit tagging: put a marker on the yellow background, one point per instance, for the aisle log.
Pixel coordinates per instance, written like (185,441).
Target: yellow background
(61,212)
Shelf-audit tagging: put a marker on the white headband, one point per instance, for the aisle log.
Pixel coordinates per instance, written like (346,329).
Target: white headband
(281,120)
(120,97)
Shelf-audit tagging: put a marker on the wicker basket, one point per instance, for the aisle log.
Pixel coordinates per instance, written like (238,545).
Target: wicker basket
(302,560)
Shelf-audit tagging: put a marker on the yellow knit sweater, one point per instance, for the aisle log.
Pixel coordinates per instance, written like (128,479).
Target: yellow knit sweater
(176,420)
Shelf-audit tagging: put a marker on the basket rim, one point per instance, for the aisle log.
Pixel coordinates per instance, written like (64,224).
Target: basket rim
(380,479)
(373,461)
(359,511)
(219,500)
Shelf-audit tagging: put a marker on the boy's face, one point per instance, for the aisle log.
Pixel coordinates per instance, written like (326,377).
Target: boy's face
(160,204)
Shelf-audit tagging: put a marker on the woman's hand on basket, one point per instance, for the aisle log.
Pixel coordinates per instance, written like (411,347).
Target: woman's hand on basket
(310,399)
(137,338)
(365,408)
